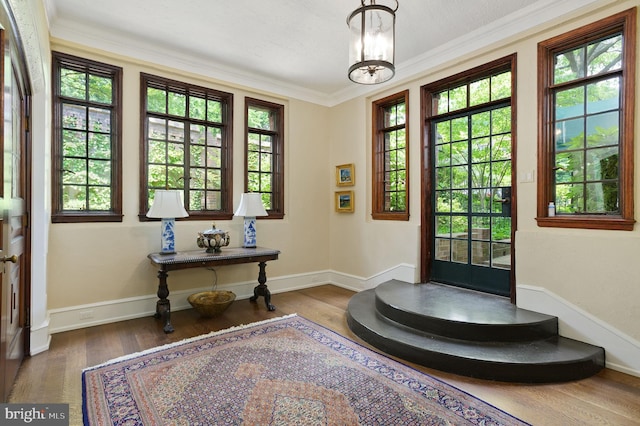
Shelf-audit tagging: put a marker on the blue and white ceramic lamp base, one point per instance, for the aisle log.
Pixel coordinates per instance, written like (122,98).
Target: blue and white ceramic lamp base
(168,236)
(249,232)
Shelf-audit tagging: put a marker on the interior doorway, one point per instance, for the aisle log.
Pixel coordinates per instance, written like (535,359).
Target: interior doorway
(468,184)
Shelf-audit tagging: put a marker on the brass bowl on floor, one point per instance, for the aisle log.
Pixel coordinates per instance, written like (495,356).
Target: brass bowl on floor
(211,303)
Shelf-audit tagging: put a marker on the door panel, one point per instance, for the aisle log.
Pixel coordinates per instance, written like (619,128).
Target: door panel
(472,199)
(14,199)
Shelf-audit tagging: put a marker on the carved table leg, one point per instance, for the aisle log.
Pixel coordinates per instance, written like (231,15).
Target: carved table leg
(163,306)
(261,289)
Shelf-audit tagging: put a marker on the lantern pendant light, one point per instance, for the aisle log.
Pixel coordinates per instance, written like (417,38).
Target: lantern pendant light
(372,43)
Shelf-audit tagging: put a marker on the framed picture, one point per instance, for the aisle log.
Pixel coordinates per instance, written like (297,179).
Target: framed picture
(344,201)
(345,175)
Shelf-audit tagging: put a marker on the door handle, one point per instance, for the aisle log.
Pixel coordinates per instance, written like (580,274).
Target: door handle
(505,200)
(12,259)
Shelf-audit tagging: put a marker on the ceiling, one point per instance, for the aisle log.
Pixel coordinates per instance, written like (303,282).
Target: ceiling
(296,48)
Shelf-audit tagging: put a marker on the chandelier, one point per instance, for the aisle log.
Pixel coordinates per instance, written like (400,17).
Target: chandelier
(372,43)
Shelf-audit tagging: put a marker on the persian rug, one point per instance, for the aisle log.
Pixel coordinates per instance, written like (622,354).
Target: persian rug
(284,371)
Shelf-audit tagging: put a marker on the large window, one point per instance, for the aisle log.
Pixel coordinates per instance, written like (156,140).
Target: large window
(586,84)
(87,177)
(265,153)
(186,145)
(391,158)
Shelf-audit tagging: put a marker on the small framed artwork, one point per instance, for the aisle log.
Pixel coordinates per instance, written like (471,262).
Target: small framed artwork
(345,175)
(344,201)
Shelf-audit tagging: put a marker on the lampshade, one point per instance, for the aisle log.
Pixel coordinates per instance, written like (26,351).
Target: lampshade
(372,43)
(167,204)
(251,205)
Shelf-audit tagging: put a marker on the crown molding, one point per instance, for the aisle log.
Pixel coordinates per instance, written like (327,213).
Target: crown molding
(539,15)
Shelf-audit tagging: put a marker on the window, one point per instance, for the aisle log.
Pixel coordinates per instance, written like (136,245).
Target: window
(87,177)
(391,158)
(585,156)
(186,145)
(264,159)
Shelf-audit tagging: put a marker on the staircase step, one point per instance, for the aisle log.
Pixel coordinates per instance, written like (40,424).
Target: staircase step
(540,360)
(460,313)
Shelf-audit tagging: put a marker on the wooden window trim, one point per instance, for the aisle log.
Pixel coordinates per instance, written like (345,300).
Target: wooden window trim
(277,210)
(58,215)
(624,22)
(378,162)
(226,213)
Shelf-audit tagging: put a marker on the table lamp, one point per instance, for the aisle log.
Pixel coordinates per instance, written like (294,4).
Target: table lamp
(250,207)
(167,205)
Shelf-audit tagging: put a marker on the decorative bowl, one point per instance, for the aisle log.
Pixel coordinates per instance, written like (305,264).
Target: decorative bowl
(211,303)
(213,239)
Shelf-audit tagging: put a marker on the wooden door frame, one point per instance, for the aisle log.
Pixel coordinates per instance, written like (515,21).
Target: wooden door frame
(426,166)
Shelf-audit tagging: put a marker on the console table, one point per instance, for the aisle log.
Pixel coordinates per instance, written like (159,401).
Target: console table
(202,259)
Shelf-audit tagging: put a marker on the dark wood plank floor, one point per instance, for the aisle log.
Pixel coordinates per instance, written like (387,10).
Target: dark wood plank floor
(609,398)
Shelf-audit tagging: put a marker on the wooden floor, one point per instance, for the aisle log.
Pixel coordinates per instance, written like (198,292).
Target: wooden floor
(609,398)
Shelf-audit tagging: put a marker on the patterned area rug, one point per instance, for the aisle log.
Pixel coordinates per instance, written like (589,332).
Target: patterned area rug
(285,371)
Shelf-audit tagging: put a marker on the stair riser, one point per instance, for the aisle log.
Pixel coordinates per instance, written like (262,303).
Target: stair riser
(522,373)
(506,358)
(469,331)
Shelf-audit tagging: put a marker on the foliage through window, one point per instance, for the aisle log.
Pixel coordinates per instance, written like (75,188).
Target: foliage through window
(391,158)
(472,125)
(588,134)
(87,140)
(186,145)
(265,153)
(468,192)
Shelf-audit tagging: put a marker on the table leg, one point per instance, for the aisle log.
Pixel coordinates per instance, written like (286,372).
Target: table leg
(261,289)
(163,306)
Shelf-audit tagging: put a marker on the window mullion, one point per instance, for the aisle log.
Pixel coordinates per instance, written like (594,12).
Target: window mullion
(615,60)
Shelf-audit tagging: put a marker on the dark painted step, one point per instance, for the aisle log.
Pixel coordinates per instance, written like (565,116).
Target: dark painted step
(542,360)
(461,314)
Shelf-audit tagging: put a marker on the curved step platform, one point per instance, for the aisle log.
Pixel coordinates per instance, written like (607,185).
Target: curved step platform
(469,333)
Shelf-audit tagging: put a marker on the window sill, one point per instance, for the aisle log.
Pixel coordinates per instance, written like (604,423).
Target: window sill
(614,223)
(403,216)
(85,217)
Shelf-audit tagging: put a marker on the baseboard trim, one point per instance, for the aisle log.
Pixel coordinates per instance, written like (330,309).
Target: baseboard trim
(622,351)
(40,337)
(89,315)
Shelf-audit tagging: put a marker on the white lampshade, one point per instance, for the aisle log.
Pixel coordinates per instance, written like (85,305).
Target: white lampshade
(167,204)
(251,205)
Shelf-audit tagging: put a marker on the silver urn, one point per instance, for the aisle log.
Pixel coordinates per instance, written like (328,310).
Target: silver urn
(213,239)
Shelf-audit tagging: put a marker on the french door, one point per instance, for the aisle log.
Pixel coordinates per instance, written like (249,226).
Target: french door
(469,180)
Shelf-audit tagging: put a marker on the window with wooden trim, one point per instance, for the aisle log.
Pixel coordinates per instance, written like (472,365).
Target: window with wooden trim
(586,107)
(86,164)
(186,146)
(391,157)
(264,158)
